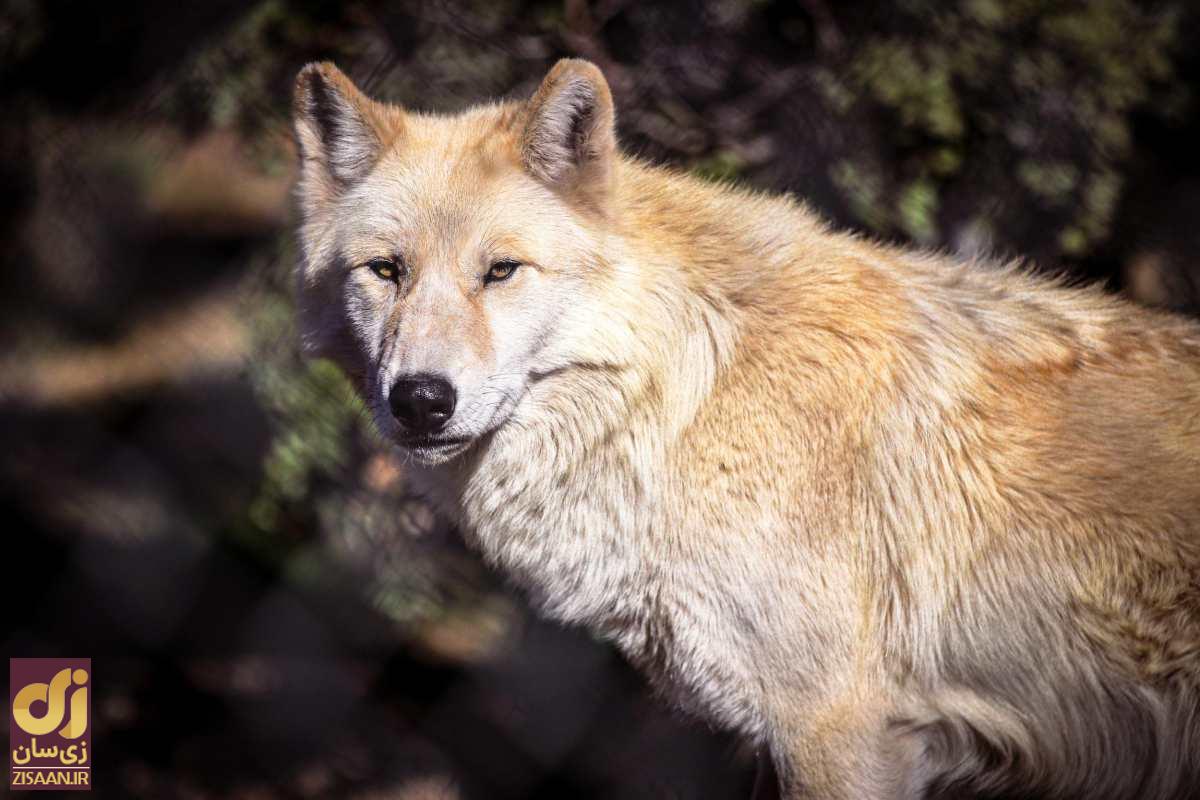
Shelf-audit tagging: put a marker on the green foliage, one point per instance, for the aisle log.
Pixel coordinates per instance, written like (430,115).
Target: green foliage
(915,82)
(918,211)
(1045,86)
(863,187)
(315,413)
(724,165)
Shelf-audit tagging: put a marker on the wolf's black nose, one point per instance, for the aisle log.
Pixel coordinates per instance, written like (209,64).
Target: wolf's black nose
(422,403)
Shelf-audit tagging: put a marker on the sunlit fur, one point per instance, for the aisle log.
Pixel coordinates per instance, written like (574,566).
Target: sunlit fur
(921,527)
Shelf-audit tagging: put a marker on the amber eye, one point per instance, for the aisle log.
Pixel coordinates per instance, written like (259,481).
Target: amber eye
(384,268)
(501,271)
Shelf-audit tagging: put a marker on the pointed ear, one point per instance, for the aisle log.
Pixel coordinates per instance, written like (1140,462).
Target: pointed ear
(339,129)
(569,141)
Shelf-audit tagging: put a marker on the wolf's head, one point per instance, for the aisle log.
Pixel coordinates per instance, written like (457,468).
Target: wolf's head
(441,253)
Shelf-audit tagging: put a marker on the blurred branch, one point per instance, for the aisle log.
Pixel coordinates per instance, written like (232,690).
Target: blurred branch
(204,336)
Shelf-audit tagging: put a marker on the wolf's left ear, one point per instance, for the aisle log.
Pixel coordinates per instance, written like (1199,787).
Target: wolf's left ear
(340,131)
(569,140)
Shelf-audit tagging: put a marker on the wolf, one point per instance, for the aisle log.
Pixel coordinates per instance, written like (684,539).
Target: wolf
(915,526)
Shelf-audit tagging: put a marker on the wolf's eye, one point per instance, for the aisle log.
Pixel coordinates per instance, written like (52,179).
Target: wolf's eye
(501,271)
(385,268)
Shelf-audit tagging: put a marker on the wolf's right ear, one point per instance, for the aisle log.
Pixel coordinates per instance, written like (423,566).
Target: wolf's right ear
(341,131)
(569,139)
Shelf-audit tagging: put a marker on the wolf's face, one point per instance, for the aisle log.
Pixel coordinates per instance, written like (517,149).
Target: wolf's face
(440,254)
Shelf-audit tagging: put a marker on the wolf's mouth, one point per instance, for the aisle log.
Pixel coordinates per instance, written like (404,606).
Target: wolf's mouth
(433,450)
(432,442)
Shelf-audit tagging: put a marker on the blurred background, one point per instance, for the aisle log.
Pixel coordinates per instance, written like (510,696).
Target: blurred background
(211,519)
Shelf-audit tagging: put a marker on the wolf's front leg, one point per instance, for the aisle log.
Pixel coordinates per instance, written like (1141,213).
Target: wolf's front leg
(848,752)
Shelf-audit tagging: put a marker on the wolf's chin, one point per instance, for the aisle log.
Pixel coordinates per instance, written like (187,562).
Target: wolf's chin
(431,455)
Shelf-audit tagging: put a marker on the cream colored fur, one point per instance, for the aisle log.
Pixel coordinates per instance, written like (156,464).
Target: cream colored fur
(920,527)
